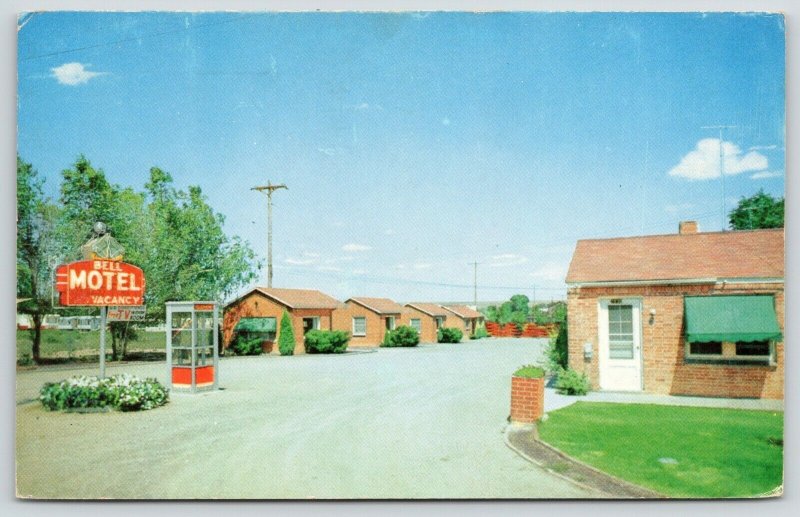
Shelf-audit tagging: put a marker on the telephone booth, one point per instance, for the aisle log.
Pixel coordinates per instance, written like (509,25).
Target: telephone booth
(192,345)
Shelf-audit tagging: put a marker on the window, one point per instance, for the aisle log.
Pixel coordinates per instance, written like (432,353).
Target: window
(710,348)
(416,324)
(755,348)
(620,331)
(359,326)
(439,322)
(389,322)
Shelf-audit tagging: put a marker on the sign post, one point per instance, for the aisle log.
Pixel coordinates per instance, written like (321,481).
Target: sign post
(103,342)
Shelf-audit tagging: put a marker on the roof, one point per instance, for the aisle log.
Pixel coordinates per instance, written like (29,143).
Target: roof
(296,298)
(463,311)
(378,305)
(431,309)
(749,254)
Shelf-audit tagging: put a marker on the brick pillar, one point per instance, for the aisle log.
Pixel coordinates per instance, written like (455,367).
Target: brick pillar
(527,399)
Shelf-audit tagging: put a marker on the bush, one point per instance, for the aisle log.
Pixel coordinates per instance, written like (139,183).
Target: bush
(449,335)
(479,333)
(557,350)
(246,345)
(401,336)
(530,372)
(123,392)
(570,382)
(326,341)
(286,337)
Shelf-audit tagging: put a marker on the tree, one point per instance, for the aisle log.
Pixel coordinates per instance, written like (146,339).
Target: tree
(36,220)
(286,337)
(760,210)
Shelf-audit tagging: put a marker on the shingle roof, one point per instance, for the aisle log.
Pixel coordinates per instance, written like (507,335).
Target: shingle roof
(300,298)
(431,309)
(717,255)
(378,305)
(463,311)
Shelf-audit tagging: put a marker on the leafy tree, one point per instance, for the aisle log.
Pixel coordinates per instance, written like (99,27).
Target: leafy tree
(286,337)
(36,220)
(760,210)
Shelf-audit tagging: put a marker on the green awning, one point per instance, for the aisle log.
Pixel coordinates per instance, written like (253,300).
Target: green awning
(257,325)
(730,318)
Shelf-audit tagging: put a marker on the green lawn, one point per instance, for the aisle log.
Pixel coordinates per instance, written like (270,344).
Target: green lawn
(57,343)
(709,452)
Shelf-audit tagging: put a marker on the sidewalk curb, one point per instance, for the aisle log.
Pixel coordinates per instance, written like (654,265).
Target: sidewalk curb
(619,488)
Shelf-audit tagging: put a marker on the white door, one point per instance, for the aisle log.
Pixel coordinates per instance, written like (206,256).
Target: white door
(620,331)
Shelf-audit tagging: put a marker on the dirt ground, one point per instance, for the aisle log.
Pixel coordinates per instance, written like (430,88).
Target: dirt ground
(398,423)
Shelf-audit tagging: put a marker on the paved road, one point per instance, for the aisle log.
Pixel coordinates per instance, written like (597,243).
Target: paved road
(397,423)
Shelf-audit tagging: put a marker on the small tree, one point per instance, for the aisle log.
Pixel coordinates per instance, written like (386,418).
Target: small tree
(286,337)
(557,357)
(758,211)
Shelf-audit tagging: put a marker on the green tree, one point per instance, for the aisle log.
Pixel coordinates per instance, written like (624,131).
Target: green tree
(286,337)
(760,210)
(36,242)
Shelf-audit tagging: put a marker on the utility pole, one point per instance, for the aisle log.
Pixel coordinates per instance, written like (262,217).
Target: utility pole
(268,189)
(475,282)
(721,166)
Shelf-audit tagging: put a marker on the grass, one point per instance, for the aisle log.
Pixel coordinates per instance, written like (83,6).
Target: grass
(704,452)
(66,343)
(529,372)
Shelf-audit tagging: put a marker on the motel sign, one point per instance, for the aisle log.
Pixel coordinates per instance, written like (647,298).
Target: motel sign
(100,283)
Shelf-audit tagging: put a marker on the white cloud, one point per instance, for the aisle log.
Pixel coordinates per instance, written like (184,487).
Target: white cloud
(551,271)
(703,162)
(422,265)
(300,262)
(507,259)
(73,74)
(766,174)
(681,207)
(356,247)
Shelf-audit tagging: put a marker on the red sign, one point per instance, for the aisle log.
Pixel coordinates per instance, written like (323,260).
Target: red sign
(100,282)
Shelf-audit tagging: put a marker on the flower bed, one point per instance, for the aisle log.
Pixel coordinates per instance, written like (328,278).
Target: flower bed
(123,392)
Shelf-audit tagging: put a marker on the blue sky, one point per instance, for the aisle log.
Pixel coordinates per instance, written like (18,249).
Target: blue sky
(413,144)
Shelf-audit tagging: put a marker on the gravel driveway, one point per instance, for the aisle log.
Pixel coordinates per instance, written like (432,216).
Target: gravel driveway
(398,423)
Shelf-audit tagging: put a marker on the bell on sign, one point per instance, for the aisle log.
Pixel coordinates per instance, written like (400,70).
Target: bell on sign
(100,283)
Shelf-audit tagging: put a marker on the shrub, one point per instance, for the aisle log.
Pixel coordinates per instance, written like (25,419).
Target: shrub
(479,333)
(570,382)
(123,392)
(530,372)
(286,337)
(401,336)
(246,345)
(25,360)
(326,341)
(557,349)
(449,335)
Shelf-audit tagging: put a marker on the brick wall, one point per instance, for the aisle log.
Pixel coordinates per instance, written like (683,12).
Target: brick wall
(665,370)
(428,324)
(257,305)
(527,399)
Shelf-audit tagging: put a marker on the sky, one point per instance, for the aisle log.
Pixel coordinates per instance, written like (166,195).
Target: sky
(415,144)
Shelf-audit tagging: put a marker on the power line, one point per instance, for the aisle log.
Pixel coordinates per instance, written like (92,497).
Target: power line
(132,39)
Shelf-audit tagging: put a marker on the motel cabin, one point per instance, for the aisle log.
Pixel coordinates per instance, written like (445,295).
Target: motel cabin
(466,318)
(367,319)
(260,311)
(690,313)
(427,318)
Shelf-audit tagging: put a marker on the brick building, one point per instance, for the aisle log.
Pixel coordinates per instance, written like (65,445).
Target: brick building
(466,318)
(263,307)
(367,319)
(427,318)
(685,314)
